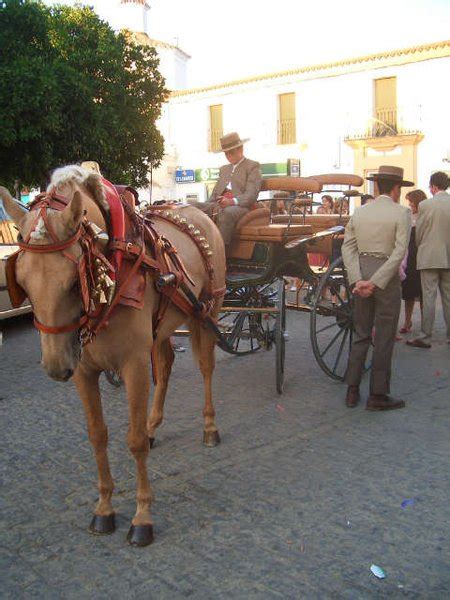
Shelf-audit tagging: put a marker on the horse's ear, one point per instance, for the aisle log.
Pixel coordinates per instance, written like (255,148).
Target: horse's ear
(73,212)
(15,210)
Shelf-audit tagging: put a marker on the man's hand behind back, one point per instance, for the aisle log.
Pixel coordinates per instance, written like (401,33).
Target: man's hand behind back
(364,288)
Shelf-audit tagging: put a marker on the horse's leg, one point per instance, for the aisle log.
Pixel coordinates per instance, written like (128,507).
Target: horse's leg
(136,375)
(86,381)
(203,346)
(163,358)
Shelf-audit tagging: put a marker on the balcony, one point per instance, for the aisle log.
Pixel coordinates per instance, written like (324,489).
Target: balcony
(286,131)
(214,140)
(385,122)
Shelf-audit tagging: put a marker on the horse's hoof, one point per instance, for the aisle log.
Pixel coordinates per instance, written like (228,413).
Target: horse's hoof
(140,535)
(103,524)
(151,441)
(211,438)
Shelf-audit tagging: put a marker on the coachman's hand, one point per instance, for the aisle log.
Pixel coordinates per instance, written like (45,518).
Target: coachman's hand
(224,201)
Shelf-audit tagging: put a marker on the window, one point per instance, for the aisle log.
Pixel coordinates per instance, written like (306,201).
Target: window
(215,127)
(286,120)
(385,106)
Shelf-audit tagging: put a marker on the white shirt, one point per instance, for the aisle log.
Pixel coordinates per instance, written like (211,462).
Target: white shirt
(233,169)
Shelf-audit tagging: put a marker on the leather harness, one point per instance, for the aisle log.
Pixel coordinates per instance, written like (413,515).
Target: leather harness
(164,264)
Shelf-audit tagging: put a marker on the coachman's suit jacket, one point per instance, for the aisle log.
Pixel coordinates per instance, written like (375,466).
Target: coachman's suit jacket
(245,182)
(433,232)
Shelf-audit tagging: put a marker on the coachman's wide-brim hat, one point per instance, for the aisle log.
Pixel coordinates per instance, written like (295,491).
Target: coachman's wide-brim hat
(230,141)
(390,173)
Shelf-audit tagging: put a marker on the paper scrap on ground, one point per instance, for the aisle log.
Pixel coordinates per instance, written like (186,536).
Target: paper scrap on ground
(408,502)
(378,571)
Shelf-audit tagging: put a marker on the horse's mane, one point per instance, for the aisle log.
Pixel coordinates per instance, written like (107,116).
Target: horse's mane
(77,175)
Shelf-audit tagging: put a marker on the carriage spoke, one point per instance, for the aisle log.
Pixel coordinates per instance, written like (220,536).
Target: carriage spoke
(341,347)
(340,332)
(326,327)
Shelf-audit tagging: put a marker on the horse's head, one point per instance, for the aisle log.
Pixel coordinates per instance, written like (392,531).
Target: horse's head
(51,278)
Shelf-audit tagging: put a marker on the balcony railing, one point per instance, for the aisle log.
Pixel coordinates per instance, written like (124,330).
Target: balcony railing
(286,131)
(214,139)
(385,122)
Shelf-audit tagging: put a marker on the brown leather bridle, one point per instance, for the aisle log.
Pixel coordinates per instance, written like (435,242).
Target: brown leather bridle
(84,263)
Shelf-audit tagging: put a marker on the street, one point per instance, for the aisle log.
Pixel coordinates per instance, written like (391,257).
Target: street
(298,501)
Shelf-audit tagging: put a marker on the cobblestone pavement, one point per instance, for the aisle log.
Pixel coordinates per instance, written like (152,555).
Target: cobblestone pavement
(299,500)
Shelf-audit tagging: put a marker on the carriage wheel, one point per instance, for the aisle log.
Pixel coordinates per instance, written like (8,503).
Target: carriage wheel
(331,321)
(280,341)
(242,330)
(114,378)
(247,331)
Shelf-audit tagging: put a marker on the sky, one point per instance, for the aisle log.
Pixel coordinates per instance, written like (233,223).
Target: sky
(240,38)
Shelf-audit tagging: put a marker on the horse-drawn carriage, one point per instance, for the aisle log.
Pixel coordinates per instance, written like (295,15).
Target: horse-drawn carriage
(269,247)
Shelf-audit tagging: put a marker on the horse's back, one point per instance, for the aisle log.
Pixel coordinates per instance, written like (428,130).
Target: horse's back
(186,246)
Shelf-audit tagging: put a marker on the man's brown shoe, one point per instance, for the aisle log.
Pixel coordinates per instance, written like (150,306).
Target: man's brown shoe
(352,397)
(418,343)
(383,402)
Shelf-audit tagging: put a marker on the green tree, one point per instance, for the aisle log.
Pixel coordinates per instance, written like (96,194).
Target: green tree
(72,89)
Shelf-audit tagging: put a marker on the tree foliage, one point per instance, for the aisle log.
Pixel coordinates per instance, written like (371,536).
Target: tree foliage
(72,89)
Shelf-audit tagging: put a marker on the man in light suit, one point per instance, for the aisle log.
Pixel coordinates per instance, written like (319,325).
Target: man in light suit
(375,242)
(433,256)
(236,190)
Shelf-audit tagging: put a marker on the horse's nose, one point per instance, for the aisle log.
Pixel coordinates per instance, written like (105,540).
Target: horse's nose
(67,374)
(60,374)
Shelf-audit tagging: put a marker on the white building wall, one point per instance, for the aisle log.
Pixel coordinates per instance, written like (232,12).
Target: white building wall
(328,110)
(133,17)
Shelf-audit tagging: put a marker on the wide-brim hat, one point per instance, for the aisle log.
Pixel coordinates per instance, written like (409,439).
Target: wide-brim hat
(230,141)
(390,173)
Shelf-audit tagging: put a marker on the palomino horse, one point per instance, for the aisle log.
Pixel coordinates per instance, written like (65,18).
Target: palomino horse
(51,278)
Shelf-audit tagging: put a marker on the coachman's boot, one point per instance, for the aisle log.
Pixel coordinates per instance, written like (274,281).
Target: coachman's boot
(383,402)
(352,397)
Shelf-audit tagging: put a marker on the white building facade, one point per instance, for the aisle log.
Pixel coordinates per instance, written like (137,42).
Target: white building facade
(349,117)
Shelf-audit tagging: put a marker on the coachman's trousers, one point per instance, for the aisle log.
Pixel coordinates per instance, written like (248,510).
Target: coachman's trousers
(380,311)
(226,218)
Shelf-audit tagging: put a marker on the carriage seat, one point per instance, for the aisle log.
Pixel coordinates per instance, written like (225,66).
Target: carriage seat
(254,226)
(322,222)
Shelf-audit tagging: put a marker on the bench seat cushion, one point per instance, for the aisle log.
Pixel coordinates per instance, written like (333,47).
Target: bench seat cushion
(278,232)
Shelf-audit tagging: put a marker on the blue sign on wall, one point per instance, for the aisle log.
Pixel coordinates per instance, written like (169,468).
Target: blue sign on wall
(184,176)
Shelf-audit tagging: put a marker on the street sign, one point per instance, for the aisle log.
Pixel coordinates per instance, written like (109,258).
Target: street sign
(184,176)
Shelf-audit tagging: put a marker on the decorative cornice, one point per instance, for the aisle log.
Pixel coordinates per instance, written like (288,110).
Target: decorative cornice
(140,2)
(387,142)
(145,40)
(371,61)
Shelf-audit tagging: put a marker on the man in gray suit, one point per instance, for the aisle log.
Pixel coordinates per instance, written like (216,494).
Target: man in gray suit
(433,256)
(236,190)
(375,243)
